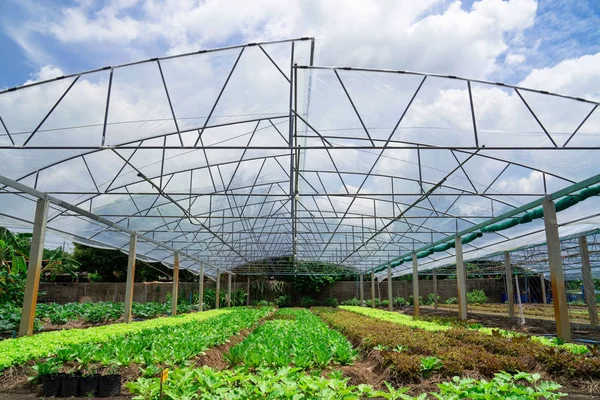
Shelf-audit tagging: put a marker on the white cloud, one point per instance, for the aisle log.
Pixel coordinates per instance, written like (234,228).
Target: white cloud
(577,77)
(431,35)
(515,59)
(45,73)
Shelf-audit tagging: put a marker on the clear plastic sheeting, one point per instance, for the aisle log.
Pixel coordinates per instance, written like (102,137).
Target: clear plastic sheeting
(243,156)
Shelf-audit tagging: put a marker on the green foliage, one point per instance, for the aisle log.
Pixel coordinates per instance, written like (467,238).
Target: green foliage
(430,299)
(476,297)
(398,302)
(169,345)
(352,302)
(451,300)
(331,302)
(502,386)
(281,383)
(283,301)
(294,336)
(20,350)
(307,301)
(430,364)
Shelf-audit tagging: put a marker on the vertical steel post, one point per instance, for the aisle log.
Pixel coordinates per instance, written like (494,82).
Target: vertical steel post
(34,268)
(175,292)
(415,283)
(372,288)
(557,277)
(130,278)
(510,293)
(543,286)
(201,288)
(390,298)
(588,281)
(229,289)
(218,290)
(362,290)
(435,290)
(248,290)
(461,280)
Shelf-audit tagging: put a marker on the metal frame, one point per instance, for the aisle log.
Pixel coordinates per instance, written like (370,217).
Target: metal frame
(284,210)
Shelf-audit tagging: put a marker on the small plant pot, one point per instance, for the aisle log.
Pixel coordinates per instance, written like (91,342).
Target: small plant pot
(88,385)
(69,385)
(109,385)
(51,385)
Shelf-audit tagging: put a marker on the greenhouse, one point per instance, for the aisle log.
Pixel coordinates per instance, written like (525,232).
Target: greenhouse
(455,221)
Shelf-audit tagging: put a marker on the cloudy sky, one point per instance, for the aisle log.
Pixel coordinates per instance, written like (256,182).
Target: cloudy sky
(511,41)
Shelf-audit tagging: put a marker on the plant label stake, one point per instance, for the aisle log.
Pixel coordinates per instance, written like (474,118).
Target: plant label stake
(163,377)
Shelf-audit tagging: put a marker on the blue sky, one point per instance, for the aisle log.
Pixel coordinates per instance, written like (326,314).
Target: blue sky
(39,33)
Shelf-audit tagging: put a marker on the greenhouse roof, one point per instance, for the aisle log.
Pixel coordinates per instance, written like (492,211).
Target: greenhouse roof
(235,155)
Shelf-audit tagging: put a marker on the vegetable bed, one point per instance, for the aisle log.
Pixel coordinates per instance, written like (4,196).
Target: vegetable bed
(20,350)
(434,327)
(413,353)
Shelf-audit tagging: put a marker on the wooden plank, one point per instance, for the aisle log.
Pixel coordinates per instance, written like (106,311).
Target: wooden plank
(130,278)
(34,268)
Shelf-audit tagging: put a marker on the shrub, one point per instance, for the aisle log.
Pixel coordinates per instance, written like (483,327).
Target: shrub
(283,301)
(385,303)
(331,302)
(476,297)
(352,302)
(411,300)
(307,301)
(430,300)
(451,300)
(400,301)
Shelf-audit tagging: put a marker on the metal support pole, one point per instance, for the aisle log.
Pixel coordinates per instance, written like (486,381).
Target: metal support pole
(130,278)
(588,281)
(415,283)
(435,290)
(175,292)
(34,269)
(218,290)
(372,288)
(390,299)
(510,294)
(461,280)
(228,290)
(248,290)
(557,277)
(201,288)
(362,290)
(543,286)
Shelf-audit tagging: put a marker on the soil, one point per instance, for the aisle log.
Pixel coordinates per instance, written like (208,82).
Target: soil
(213,357)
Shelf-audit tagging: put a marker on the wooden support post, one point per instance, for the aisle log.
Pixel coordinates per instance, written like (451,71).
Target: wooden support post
(229,289)
(218,290)
(415,283)
(362,290)
(372,289)
(557,277)
(588,281)
(34,269)
(543,286)
(130,278)
(390,294)
(201,288)
(248,290)
(510,293)
(175,291)
(435,291)
(461,280)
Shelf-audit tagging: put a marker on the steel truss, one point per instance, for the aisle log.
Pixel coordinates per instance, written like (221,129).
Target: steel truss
(299,170)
